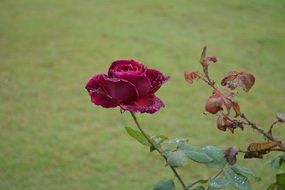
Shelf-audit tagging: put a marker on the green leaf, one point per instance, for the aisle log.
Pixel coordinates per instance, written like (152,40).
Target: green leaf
(158,140)
(278,162)
(217,154)
(194,153)
(176,158)
(280,179)
(238,181)
(165,185)
(199,188)
(137,135)
(176,141)
(219,183)
(282,167)
(244,171)
(166,151)
(272,186)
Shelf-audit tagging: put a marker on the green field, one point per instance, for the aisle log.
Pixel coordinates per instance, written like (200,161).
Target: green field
(53,138)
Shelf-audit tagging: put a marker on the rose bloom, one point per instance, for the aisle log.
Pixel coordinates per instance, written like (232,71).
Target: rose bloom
(128,84)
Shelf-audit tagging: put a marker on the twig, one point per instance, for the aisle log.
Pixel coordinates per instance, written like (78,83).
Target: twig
(158,150)
(221,171)
(260,130)
(272,125)
(268,135)
(196,182)
(208,81)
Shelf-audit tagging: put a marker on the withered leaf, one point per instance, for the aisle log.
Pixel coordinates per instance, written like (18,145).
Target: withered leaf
(236,108)
(230,76)
(230,155)
(214,103)
(234,79)
(221,123)
(253,155)
(224,123)
(204,59)
(228,103)
(189,76)
(281,117)
(246,81)
(259,147)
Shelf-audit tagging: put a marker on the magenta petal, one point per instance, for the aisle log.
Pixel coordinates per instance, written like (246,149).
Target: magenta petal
(156,78)
(133,72)
(142,83)
(123,66)
(148,104)
(98,94)
(121,90)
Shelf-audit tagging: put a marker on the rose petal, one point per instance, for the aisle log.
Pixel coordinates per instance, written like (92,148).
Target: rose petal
(133,72)
(122,66)
(121,90)
(156,78)
(97,93)
(141,83)
(148,104)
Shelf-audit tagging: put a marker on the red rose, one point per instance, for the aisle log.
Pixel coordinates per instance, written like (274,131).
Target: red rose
(130,85)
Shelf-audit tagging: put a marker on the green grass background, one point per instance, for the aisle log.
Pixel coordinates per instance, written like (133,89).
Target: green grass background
(52,137)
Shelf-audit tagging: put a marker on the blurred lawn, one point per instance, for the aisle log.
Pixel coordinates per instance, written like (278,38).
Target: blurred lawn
(51,137)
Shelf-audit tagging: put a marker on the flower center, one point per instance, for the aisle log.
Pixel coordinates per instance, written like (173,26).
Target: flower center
(128,68)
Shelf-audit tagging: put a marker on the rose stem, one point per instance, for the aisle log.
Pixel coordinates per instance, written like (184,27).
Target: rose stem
(158,150)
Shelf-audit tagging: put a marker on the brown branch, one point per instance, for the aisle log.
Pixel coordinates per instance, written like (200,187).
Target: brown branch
(249,122)
(256,127)
(272,125)
(211,83)
(260,130)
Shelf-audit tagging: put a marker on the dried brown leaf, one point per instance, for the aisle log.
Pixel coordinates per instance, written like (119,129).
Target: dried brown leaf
(224,123)
(214,103)
(259,147)
(234,79)
(281,117)
(230,155)
(236,108)
(253,155)
(246,81)
(189,76)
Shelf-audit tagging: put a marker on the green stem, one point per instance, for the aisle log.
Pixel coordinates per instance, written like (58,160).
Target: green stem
(158,150)
(219,173)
